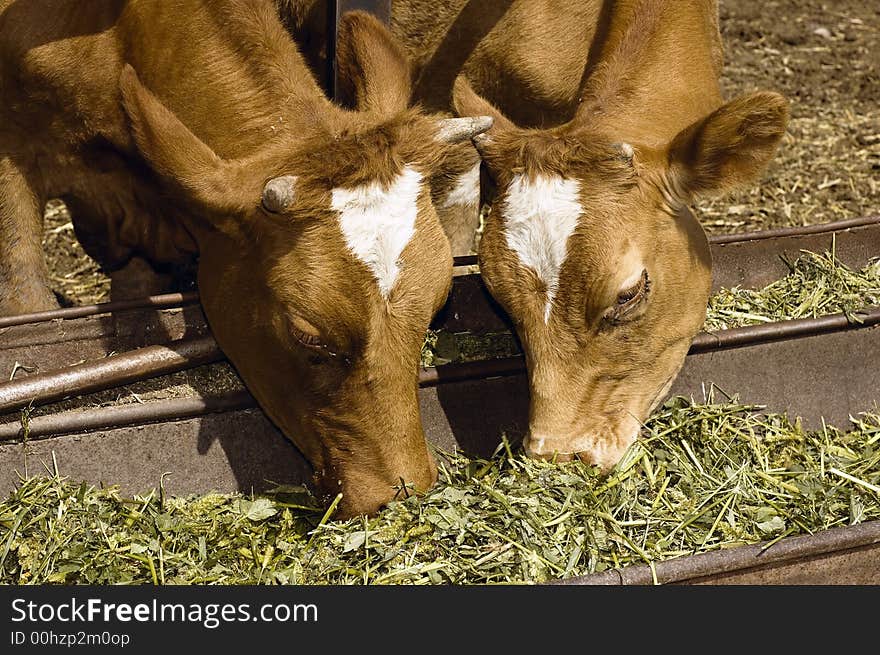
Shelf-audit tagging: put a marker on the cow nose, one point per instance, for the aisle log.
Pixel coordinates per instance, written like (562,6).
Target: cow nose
(595,449)
(535,448)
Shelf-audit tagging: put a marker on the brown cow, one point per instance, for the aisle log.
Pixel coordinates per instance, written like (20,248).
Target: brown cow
(609,123)
(193,128)
(455,185)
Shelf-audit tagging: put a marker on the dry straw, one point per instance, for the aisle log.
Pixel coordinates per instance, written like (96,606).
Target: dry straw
(703,477)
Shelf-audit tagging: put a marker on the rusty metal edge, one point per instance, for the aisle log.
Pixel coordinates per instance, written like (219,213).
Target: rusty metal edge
(799,231)
(175,300)
(167,410)
(111,371)
(778,330)
(108,418)
(704,565)
(164,301)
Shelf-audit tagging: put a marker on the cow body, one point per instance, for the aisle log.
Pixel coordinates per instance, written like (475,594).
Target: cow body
(609,122)
(190,128)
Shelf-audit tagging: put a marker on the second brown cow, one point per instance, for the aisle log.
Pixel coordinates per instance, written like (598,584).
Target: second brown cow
(192,129)
(609,124)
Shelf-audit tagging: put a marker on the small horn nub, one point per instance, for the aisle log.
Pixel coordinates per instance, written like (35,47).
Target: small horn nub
(278,193)
(456,130)
(626,150)
(481,142)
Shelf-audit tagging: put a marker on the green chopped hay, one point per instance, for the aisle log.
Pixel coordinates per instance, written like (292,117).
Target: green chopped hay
(443,347)
(817,285)
(703,477)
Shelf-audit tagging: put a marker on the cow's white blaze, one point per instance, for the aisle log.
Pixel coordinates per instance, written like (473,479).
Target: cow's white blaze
(539,216)
(466,192)
(377,223)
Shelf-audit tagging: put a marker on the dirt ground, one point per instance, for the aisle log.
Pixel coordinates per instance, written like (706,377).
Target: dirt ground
(824,56)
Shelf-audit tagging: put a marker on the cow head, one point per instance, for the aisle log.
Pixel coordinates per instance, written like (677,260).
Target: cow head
(592,250)
(321,264)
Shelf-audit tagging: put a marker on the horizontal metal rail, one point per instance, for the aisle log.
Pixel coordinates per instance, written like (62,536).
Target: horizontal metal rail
(112,371)
(742,558)
(164,301)
(778,330)
(797,231)
(154,361)
(117,416)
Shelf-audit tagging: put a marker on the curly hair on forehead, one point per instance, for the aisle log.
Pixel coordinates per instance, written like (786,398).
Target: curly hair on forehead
(552,152)
(364,154)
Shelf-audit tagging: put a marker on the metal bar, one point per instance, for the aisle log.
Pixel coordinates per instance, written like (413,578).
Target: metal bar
(479,370)
(165,301)
(793,329)
(107,418)
(111,371)
(705,566)
(798,231)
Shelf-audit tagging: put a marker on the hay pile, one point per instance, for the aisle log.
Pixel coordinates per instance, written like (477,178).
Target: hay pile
(817,285)
(702,478)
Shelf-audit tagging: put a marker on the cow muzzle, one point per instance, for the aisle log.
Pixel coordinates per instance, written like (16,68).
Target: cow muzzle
(366,490)
(602,448)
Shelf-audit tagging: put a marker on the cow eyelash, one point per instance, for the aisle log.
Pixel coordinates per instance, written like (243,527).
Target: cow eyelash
(630,299)
(315,344)
(310,341)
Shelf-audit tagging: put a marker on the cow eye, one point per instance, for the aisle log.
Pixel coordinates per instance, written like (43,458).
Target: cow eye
(320,351)
(305,333)
(308,340)
(629,299)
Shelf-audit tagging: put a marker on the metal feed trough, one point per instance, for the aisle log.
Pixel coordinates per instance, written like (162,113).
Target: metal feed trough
(817,369)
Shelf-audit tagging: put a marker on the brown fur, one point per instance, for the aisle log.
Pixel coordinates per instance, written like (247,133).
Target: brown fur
(160,123)
(459,220)
(568,83)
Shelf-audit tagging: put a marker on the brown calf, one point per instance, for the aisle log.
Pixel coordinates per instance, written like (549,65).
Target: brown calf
(609,123)
(190,128)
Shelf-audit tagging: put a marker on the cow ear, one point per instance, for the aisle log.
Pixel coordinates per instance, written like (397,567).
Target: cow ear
(374,73)
(467,102)
(730,147)
(173,151)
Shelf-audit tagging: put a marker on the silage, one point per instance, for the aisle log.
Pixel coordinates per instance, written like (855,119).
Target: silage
(817,284)
(703,477)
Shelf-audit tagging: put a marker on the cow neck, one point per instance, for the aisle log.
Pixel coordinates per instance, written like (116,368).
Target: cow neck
(656,72)
(247,83)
